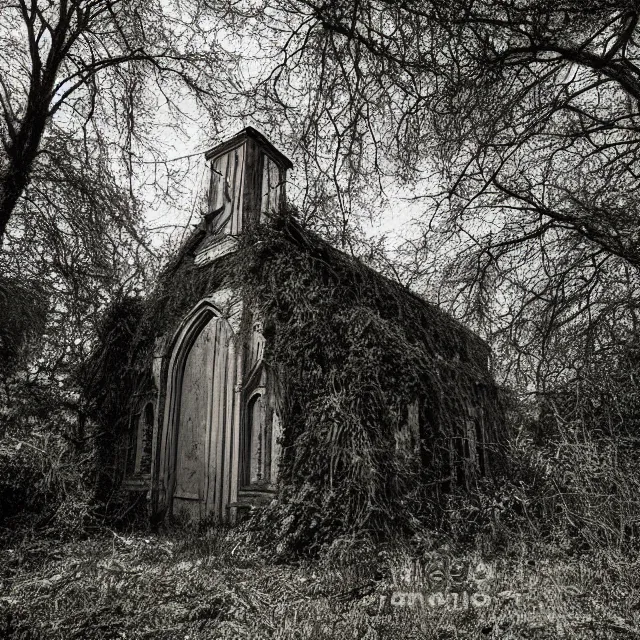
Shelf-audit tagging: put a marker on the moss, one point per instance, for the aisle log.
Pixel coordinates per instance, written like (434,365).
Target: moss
(351,351)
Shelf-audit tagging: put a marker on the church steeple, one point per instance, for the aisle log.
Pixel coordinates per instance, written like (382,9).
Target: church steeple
(247,180)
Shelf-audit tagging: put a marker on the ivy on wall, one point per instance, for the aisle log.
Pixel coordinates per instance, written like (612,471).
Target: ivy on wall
(349,352)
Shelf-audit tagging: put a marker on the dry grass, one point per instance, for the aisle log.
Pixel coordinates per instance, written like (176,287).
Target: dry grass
(212,586)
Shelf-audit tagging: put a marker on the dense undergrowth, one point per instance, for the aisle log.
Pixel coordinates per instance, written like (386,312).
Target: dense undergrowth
(558,532)
(213,586)
(573,489)
(558,520)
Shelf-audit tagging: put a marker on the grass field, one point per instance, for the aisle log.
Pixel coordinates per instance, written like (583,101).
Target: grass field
(189,586)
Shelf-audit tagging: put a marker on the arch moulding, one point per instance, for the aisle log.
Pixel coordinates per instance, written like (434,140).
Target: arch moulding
(224,305)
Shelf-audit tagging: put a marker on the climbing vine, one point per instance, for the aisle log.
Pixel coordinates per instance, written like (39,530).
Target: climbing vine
(376,388)
(352,351)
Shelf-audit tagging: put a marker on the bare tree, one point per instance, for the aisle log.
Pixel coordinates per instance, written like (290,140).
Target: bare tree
(99,70)
(92,92)
(519,104)
(514,126)
(537,127)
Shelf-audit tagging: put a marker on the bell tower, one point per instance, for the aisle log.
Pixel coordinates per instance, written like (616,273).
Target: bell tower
(247,181)
(247,178)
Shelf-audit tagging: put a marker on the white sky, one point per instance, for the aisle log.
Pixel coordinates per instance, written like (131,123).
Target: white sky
(394,222)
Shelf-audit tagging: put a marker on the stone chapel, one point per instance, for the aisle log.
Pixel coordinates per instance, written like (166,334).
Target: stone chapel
(204,439)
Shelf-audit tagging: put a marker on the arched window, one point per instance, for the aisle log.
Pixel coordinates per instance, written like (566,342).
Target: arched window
(257,444)
(143,462)
(133,441)
(140,433)
(261,430)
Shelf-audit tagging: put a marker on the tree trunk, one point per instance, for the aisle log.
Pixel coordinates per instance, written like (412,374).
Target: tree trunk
(12,184)
(21,155)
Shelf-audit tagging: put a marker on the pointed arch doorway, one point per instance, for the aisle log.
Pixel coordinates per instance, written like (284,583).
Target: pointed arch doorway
(198,434)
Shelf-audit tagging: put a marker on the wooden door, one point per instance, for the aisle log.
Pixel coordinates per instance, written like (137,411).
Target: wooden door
(201,422)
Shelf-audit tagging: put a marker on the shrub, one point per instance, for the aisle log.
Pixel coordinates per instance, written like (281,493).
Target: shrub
(46,458)
(44,486)
(576,489)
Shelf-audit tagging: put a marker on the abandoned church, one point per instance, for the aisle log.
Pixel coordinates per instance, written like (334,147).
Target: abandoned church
(268,368)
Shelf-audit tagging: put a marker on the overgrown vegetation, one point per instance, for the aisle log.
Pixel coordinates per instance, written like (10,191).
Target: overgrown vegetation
(112,379)
(47,462)
(208,586)
(558,522)
(58,453)
(533,238)
(45,488)
(351,352)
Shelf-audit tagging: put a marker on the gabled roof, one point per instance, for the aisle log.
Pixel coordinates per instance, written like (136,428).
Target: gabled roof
(254,134)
